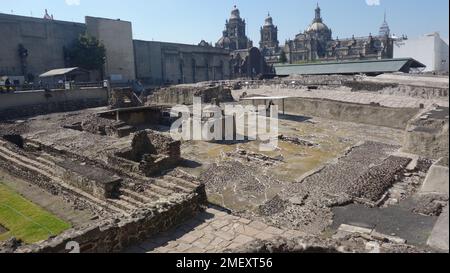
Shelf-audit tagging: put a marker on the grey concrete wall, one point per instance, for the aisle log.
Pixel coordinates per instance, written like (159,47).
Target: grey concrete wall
(117,36)
(39,102)
(44,40)
(160,62)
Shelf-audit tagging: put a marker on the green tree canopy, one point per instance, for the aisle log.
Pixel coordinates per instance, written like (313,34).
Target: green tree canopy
(86,52)
(283,58)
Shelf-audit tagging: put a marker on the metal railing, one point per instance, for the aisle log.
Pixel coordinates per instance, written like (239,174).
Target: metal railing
(54,86)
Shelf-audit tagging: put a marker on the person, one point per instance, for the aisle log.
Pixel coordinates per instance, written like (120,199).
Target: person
(8,84)
(269,108)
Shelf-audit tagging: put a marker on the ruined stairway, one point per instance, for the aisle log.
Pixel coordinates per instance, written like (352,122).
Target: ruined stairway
(38,167)
(156,191)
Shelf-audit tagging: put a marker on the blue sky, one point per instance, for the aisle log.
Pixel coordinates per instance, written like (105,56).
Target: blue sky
(189,21)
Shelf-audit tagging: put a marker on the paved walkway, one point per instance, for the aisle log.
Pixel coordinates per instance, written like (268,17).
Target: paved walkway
(210,232)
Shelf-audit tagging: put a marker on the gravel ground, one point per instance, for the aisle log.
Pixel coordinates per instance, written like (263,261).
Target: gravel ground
(309,244)
(430,204)
(377,180)
(309,201)
(240,186)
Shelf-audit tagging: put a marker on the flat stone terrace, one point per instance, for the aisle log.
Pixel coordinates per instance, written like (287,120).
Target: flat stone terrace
(387,100)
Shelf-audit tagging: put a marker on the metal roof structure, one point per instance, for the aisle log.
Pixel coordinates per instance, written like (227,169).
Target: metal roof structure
(351,67)
(59,72)
(267,98)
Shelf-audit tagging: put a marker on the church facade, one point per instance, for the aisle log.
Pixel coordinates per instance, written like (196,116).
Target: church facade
(246,61)
(316,44)
(234,36)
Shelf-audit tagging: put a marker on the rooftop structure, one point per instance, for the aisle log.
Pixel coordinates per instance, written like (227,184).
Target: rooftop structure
(373,67)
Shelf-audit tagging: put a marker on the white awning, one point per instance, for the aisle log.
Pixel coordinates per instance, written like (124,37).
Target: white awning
(58,72)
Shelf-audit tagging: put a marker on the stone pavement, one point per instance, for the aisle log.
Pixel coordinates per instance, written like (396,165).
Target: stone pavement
(210,232)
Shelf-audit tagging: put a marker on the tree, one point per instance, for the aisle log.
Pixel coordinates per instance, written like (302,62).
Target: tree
(283,58)
(86,52)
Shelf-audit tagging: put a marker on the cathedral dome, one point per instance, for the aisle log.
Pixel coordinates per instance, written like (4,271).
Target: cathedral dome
(317,24)
(224,42)
(235,13)
(269,21)
(317,27)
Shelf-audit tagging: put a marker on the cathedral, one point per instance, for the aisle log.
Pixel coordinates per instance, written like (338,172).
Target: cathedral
(246,61)
(316,44)
(269,45)
(234,37)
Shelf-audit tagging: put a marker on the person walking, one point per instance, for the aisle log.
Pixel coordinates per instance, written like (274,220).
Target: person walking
(8,85)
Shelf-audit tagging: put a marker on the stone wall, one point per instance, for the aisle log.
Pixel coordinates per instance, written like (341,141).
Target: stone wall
(425,92)
(397,118)
(123,98)
(15,105)
(161,62)
(150,153)
(114,231)
(427,135)
(114,235)
(46,183)
(184,94)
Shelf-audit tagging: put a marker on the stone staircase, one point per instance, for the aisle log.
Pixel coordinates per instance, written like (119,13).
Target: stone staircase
(43,168)
(126,202)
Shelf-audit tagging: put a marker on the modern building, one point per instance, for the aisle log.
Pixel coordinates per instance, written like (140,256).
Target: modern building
(36,45)
(430,50)
(32,46)
(117,37)
(234,36)
(316,44)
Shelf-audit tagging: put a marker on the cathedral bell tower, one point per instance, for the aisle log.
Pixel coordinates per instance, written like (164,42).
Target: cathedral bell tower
(269,34)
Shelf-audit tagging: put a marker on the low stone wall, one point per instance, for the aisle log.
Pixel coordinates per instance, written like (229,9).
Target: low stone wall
(22,104)
(45,182)
(427,135)
(114,235)
(424,92)
(396,118)
(368,86)
(184,95)
(150,153)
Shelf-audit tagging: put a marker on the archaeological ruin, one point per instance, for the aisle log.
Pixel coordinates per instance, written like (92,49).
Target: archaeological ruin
(360,162)
(113,144)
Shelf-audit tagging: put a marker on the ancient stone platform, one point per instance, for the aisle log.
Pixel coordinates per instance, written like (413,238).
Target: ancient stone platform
(212,231)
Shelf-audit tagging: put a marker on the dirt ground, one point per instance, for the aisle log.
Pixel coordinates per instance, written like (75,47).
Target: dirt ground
(241,178)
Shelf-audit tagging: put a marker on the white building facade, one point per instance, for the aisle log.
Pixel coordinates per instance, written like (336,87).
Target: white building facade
(431,50)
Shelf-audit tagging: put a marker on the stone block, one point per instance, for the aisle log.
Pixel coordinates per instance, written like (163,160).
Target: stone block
(355,229)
